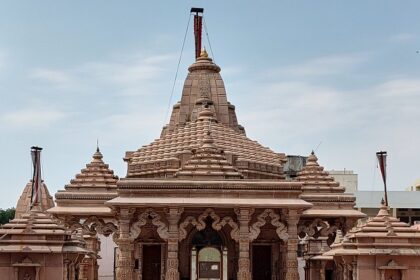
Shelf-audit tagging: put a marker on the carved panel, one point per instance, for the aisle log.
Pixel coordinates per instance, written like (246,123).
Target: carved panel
(316,228)
(149,213)
(217,224)
(281,228)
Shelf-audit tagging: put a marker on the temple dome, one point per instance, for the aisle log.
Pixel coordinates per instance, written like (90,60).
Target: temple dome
(24,202)
(315,179)
(203,87)
(88,191)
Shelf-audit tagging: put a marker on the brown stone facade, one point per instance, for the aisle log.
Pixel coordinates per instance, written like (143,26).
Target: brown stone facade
(204,201)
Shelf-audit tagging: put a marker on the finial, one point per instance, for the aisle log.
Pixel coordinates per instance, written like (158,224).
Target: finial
(204,53)
(312,153)
(382,201)
(97,145)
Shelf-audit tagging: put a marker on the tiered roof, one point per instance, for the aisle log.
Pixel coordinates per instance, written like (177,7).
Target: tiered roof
(88,191)
(36,232)
(204,104)
(316,180)
(381,235)
(208,162)
(24,203)
(320,189)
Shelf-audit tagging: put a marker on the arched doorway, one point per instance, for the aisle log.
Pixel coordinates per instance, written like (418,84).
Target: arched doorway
(208,256)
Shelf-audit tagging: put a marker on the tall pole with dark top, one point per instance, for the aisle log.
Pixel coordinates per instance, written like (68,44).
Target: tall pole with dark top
(198,27)
(382,165)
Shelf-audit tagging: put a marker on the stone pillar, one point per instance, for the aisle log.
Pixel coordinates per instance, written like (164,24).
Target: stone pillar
(322,271)
(37,269)
(65,270)
(16,272)
(292,245)
(125,263)
(244,263)
(354,264)
(173,214)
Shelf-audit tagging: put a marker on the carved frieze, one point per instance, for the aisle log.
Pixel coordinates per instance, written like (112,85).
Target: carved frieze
(149,214)
(281,228)
(200,224)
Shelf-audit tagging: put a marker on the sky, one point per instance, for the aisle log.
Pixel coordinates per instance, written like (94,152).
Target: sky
(341,77)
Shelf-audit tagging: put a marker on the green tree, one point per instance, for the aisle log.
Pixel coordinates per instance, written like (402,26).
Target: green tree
(6,215)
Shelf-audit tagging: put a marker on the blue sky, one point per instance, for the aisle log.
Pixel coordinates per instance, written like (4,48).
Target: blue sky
(345,74)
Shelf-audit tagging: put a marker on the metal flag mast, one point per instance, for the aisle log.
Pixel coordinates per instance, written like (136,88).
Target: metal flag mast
(198,27)
(382,165)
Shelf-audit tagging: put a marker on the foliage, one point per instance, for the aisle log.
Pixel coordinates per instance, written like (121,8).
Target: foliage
(6,215)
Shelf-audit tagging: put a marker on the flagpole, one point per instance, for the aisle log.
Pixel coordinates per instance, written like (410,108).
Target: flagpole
(382,165)
(36,179)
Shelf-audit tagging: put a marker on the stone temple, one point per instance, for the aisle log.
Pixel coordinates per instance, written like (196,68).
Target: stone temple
(204,201)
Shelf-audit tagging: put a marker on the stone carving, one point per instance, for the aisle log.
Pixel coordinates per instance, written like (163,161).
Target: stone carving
(92,225)
(200,224)
(317,228)
(281,228)
(149,213)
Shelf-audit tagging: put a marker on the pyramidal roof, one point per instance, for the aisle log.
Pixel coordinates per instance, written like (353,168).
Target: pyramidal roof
(381,235)
(204,104)
(24,203)
(36,232)
(96,176)
(320,189)
(208,162)
(315,179)
(88,191)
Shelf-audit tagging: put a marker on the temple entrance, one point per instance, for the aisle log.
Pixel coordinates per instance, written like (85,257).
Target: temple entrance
(209,263)
(151,262)
(261,262)
(208,255)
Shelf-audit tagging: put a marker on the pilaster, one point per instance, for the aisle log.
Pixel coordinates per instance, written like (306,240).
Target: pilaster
(244,263)
(173,215)
(292,245)
(125,262)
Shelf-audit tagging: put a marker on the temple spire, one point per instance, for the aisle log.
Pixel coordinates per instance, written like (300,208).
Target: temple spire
(198,27)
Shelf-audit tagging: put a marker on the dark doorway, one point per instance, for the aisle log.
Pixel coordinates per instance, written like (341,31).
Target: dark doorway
(151,262)
(261,262)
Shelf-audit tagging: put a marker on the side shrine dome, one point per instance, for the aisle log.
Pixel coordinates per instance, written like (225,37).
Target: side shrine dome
(204,107)
(87,192)
(24,203)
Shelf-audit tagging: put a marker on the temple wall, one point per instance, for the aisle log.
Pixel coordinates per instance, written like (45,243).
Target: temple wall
(367,268)
(6,271)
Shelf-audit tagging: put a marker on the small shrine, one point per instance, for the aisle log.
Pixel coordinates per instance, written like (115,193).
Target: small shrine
(33,246)
(382,248)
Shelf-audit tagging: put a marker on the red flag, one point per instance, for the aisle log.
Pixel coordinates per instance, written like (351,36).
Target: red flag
(197,34)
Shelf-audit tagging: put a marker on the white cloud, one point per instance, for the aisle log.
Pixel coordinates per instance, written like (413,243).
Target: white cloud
(326,65)
(402,37)
(400,88)
(52,76)
(128,74)
(31,118)
(3,58)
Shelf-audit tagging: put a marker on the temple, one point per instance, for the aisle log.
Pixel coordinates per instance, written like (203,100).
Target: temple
(204,201)
(36,246)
